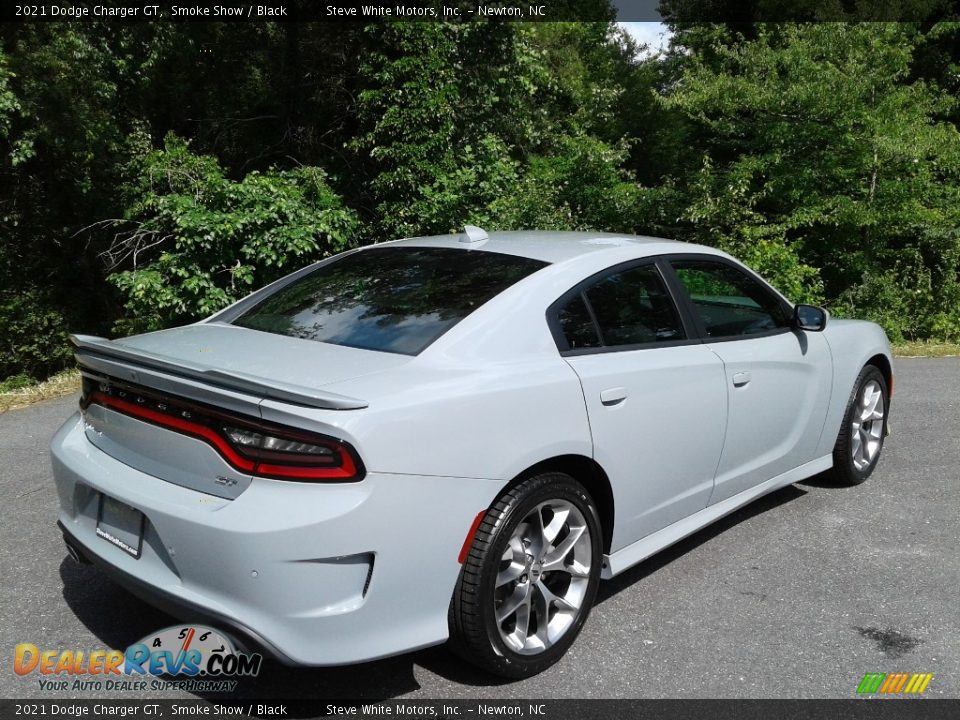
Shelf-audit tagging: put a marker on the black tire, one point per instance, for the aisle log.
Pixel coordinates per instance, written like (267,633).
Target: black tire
(845,470)
(475,633)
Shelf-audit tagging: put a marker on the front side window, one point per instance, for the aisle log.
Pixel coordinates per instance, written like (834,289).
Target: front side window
(728,301)
(394,299)
(631,307)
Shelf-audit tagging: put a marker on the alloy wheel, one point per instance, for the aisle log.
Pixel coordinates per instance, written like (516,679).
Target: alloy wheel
(866,430)
(543,577)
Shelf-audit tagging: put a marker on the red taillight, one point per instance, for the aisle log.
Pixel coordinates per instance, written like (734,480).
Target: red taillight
(290,454)
(249,445)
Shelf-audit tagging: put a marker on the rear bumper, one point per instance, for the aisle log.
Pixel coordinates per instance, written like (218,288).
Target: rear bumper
(313,574)
(171,604)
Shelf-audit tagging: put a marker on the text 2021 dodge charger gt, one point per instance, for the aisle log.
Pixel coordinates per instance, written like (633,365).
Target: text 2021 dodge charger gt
(454,437)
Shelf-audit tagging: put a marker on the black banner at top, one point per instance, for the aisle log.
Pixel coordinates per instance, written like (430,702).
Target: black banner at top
(678,11)
(323,10)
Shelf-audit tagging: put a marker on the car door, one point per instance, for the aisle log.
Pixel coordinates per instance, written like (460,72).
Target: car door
(777,378)
(655,396)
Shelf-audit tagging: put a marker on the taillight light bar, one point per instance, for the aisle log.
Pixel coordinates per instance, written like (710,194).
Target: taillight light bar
(249,445)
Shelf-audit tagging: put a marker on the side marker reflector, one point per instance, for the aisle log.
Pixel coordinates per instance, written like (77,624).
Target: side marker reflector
(468,541)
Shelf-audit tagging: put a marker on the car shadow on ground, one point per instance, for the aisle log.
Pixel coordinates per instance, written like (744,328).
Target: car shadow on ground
(663,558)
(119,619)
(823,480)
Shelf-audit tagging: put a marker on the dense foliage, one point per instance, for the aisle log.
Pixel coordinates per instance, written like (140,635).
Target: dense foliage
(825,162)
(152,173)
(216,239)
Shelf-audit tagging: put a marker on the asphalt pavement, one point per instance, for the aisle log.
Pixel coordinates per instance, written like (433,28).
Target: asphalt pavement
(796,596)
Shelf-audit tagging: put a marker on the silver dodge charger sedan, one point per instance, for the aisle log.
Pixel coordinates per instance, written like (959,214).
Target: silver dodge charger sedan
(454,437)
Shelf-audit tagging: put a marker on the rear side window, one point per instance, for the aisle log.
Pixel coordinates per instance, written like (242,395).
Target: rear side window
(577,325)
(626,308)
(633,307)
(394,299)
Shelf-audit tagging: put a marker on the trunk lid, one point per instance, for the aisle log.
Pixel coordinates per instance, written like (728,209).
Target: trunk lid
(214,366)
(277,361)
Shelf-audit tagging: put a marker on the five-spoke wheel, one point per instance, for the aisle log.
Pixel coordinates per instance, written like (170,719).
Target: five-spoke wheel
(530,577)
(543,577)
(864,427)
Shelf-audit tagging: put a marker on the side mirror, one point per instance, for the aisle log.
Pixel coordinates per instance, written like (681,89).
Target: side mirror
(809,317)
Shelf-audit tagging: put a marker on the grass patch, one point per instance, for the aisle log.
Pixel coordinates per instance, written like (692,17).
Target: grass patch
(924,348)
(18,394)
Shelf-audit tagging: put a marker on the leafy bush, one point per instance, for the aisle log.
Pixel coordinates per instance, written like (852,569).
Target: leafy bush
(578,186)
(827,163)
(33,337)
(499,124)
(907,300)
(195,240)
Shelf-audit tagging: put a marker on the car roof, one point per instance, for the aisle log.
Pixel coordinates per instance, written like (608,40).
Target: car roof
(552,246)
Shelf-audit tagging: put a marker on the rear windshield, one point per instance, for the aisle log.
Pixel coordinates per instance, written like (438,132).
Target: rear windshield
(396,299)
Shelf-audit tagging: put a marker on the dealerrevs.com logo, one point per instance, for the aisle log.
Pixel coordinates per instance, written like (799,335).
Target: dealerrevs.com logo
(898,683)
(199,658)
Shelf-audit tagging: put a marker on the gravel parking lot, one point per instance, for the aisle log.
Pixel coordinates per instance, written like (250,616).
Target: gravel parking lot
(796,596)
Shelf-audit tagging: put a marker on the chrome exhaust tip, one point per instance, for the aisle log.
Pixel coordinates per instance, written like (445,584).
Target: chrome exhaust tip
(75,554)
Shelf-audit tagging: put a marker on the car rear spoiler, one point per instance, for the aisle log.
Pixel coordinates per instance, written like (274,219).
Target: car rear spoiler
(96,353)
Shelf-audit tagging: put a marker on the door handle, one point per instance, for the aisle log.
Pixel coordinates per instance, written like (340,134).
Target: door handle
(740,379)
(613,396)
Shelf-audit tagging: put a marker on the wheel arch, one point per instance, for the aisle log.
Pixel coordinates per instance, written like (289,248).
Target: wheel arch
(854,344)
(588,473)
(882,363)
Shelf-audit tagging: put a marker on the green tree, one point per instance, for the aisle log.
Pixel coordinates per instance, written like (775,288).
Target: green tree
(71,96)
(195,241)
(499,124)
(64,124)
(829,166)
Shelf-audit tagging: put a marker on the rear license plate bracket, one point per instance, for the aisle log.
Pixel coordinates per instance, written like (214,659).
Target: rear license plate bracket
(120,525)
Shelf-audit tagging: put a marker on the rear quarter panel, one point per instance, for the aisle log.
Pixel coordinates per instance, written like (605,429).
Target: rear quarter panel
(477,422)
